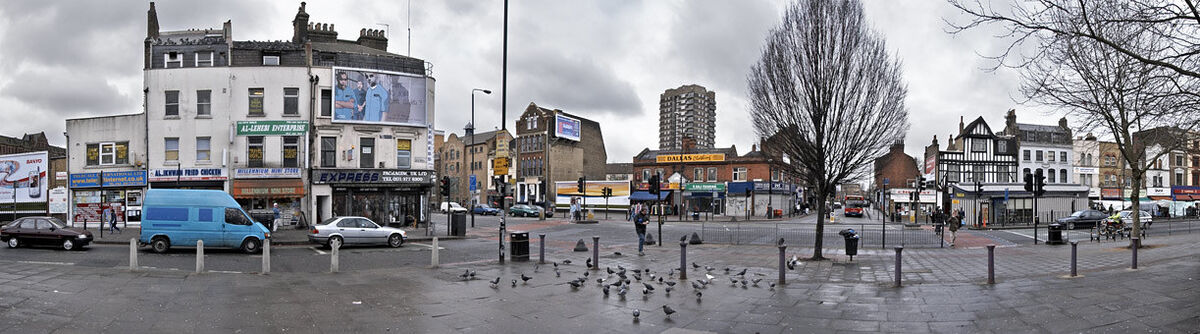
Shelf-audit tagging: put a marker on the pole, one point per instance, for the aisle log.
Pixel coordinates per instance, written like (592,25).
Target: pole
(660,224)
(898,250)
(133,263)
(782,265)
(199,256)
(471,134)
(595,252)
(266,257)
(504,79)
(1074,257)
(991,264)
(1137,243)
(542,248)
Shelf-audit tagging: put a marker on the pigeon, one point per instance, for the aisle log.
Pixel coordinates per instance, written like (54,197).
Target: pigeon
(660,279)
(465,274)
(472,275)
(732,281)
(670,283)
(622,292)
(599,281)
(772,285)
(727,270)
(668,290)
(609,270)
(636,314)
(648,286)
(636,271)
(566,261)
(555,265)
(495,281)
(586,274)
(780,242)
(755,281)
(556,273)
(668,311)
(638,277)
(575,284)
(645,292)
(671,273)
(536,266)
(621,268)
(617,253)
(695,266)
(514,283)
(791,265)
(742,273)
(698,295)
(525,279)
(696,286)
(589,263)
(707,268)
(683,238)
(743,283)
(606,290)
(651,277)
(707,276)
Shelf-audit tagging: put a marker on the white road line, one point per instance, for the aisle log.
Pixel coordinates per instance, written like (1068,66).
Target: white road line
(45,262)
(1020,234)
(425,245)
(317,250)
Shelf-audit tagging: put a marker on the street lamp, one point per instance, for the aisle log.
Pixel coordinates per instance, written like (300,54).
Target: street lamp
(471,134)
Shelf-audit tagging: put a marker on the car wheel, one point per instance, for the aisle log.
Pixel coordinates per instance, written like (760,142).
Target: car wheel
(251,246)
(395,240)
(160,245)
(1071,226)
(14,242)
(335,242)
(68,244)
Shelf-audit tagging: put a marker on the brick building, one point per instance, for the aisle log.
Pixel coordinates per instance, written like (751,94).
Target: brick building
(897,169)
(717,179)
(28,143)
(552,146)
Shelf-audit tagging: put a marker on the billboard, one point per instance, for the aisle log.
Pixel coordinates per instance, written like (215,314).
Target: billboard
(25,175)
(566,189)
(566,127)
(378,97)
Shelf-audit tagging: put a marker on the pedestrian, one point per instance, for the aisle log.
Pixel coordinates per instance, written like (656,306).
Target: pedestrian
(275,221)
(639,225)
(111,217)
(955,223)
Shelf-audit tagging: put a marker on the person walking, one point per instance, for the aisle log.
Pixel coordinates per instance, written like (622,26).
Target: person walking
(639,225)
(111,217)
(275,221)
(955,223)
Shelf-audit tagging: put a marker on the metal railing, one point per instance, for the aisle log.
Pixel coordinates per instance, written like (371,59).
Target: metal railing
(870,235)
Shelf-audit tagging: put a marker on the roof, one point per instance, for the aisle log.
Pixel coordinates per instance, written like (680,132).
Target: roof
(1036,133)
(618,168)
(343,46)
(480,138)
(189,197)
(649,154)
(268,45)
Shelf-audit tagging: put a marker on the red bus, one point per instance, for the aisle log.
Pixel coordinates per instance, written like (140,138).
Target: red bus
(854,205)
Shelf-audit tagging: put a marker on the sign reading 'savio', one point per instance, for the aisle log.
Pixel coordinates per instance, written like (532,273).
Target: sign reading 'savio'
(378,97)
(566,127)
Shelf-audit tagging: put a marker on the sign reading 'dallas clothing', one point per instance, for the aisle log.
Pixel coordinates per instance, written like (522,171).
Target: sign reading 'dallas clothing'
(271,128)
(369,176)
(674,158)
(188,174)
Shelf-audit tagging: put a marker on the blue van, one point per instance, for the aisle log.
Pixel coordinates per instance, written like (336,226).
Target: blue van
(178,217)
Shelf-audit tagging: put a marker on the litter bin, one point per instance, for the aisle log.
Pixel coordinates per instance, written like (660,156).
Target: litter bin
(695,215)
(458,224)
(1054,234)
(851,239)
(519,242)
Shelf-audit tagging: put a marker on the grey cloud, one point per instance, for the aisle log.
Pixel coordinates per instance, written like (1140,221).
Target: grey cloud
(580,84)
(61,93)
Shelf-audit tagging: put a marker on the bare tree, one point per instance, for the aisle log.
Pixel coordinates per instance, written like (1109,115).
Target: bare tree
(828,94)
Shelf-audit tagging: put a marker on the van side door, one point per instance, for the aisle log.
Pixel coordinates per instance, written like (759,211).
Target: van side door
(237,227)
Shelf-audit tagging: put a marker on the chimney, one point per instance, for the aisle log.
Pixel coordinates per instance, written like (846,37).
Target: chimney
(227,32)
(1010,122)
(300,26)
(321,33)
(960,126)
(1062,123)
(753,147)
(372,38)
(152,22)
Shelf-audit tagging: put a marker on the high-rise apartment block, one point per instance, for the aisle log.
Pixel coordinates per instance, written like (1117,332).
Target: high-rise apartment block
(689,111)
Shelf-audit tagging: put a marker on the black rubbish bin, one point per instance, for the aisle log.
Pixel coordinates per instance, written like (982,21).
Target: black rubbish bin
(458,224)
(851,239)
(1054,234)
(695,215)
(519,242)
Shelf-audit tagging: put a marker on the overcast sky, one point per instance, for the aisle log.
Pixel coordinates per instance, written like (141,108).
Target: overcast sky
(604,60)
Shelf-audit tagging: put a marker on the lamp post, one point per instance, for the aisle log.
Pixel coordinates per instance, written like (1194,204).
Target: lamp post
(471,134)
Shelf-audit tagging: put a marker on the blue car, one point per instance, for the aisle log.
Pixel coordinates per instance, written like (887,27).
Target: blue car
(484,209)
(177,217)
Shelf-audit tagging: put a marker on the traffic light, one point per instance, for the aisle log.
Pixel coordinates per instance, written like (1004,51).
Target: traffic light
(920,182)
(606,192)
(978,187)
(446,186)
(654,185)
(1039,186)
(1028,182)
(580,186)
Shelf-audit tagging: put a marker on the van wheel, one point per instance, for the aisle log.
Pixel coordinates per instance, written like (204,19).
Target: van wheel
(334,242)
(251,245)
(13,242)
(160,244)
(395,240)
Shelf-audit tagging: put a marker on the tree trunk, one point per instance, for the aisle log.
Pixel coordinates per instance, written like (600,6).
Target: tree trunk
(820,236)
(1135,212)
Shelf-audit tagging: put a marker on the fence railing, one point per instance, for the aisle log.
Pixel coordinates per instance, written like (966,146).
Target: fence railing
(870,236)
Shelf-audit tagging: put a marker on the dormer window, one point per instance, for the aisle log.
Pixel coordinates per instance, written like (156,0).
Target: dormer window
(270,60)
(204,59)
(173,60)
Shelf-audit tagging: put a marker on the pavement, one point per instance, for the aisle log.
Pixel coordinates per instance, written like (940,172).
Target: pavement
(942,290)
(283,236)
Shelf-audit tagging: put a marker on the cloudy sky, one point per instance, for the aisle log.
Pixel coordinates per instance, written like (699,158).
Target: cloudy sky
(604,60)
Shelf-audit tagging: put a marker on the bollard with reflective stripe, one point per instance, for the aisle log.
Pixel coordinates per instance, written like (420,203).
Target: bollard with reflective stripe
(333,257)
(433,257)
(898,271)
(991,264)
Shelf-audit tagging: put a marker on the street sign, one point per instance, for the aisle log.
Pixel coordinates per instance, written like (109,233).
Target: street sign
(500,166)
(472,185)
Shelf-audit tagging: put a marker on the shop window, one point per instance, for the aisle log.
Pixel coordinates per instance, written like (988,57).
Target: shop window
(256,102)
(291,101)
(291,151)
(254,151)
(328,151)
(326,102)
(403,153)
(171,146)
(171,103)
(204,103)
(367,155)
(203,148)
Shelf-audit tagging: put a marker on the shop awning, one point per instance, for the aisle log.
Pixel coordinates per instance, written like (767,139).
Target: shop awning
(1160,198)
(277,188)
(646,196)
(1184,198)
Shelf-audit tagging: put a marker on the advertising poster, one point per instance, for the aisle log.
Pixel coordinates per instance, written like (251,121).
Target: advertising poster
(24,175)
(377,97)
(566,127)
(58,200)
(592,194)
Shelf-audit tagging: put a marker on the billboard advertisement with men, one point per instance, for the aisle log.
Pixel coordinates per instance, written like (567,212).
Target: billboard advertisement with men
(23,176)
(377,97)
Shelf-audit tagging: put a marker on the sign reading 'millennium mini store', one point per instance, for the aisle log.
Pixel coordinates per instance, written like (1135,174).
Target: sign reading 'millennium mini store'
(271,128)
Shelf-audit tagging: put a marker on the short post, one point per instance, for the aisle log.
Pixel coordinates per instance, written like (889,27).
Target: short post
(683,260)
(542,248)
(333,257)
(199,256)
(898,271)
(266,257)
(1137,243)
(1074,257)
(595,252)
(133,265)
(991,264)
(433,259)
(782,265)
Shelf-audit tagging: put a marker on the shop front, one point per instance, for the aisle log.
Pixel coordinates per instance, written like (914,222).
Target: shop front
(258,190)
(704,197)
(188,178)
(387,196)
(120,191)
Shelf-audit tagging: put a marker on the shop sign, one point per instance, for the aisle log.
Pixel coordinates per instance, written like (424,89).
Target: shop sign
(364,176)
(60,176)
(1158,192)
(704,187)
(135,178)
(271,128)
(681,158)
(1110,193)
(58,200)
(84,180)
(268,188)
(266,173)
(188,174)
(1087,170)
(1185,190)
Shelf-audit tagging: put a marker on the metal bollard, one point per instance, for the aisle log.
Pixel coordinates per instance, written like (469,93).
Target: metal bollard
(333,258)
(542,248)
(595,252)
(1137,243)
(199,256)
(1074,257)
(266,256)
(898,271)
(433,260)
(133,265)
(782,265)
(683,260)
(991,264)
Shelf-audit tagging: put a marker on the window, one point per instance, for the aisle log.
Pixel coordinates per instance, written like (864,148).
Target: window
(1002,174)
(1179,160)
(236,217)
(952,173)
(172,103)
(739,174)
(172,149)
(1178,178)
(1002,147)
(1050,156)
(1039,155)
(1026,172)
(203,103)
(270,60)
(1062,156)
(980,173)
(697,174)
(978,145)
(256,102)
(291,101)
(203,148)
(291,151)
(326,103)
(328,151)
(774,175)
(659,172)
(1195,178)
(204,59)
(254,151)
(1195,161)
(1050,178)
(173,60)
(403,153)
(108,153)
(1026,155)
(1062,176)
(646,174)
(367,153)
(712,174)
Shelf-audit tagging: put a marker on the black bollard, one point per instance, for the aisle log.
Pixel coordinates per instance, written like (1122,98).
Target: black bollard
(782,265)
(595,252)
(1137,243)
(542,248)
(683,260)
(991,264)
(1074,257)
(898,250)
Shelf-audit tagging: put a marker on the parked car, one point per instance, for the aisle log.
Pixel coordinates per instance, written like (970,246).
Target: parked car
(350,230)
(180,217)
(523,210)
(484,209)
(1084,218)
(452,207)
(44,231)
(1144,218)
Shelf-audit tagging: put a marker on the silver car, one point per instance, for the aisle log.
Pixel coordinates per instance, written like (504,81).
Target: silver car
(355,231)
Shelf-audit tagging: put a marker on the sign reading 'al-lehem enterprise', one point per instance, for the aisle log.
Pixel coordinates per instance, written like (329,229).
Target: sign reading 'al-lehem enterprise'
(268,128)
(709,157)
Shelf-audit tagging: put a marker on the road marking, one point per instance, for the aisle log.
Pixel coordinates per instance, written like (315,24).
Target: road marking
(1020,234)
(425,245)
(317,250)
(51,263)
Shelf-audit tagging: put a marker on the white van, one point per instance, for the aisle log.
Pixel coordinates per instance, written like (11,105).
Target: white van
(452,207)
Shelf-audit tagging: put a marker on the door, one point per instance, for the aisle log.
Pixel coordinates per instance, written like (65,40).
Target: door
(44,232)
(371,232)
(23,228)
(236,227)
(348,228)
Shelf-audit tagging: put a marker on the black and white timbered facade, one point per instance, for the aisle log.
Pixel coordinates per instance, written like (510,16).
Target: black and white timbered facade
(978,155)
